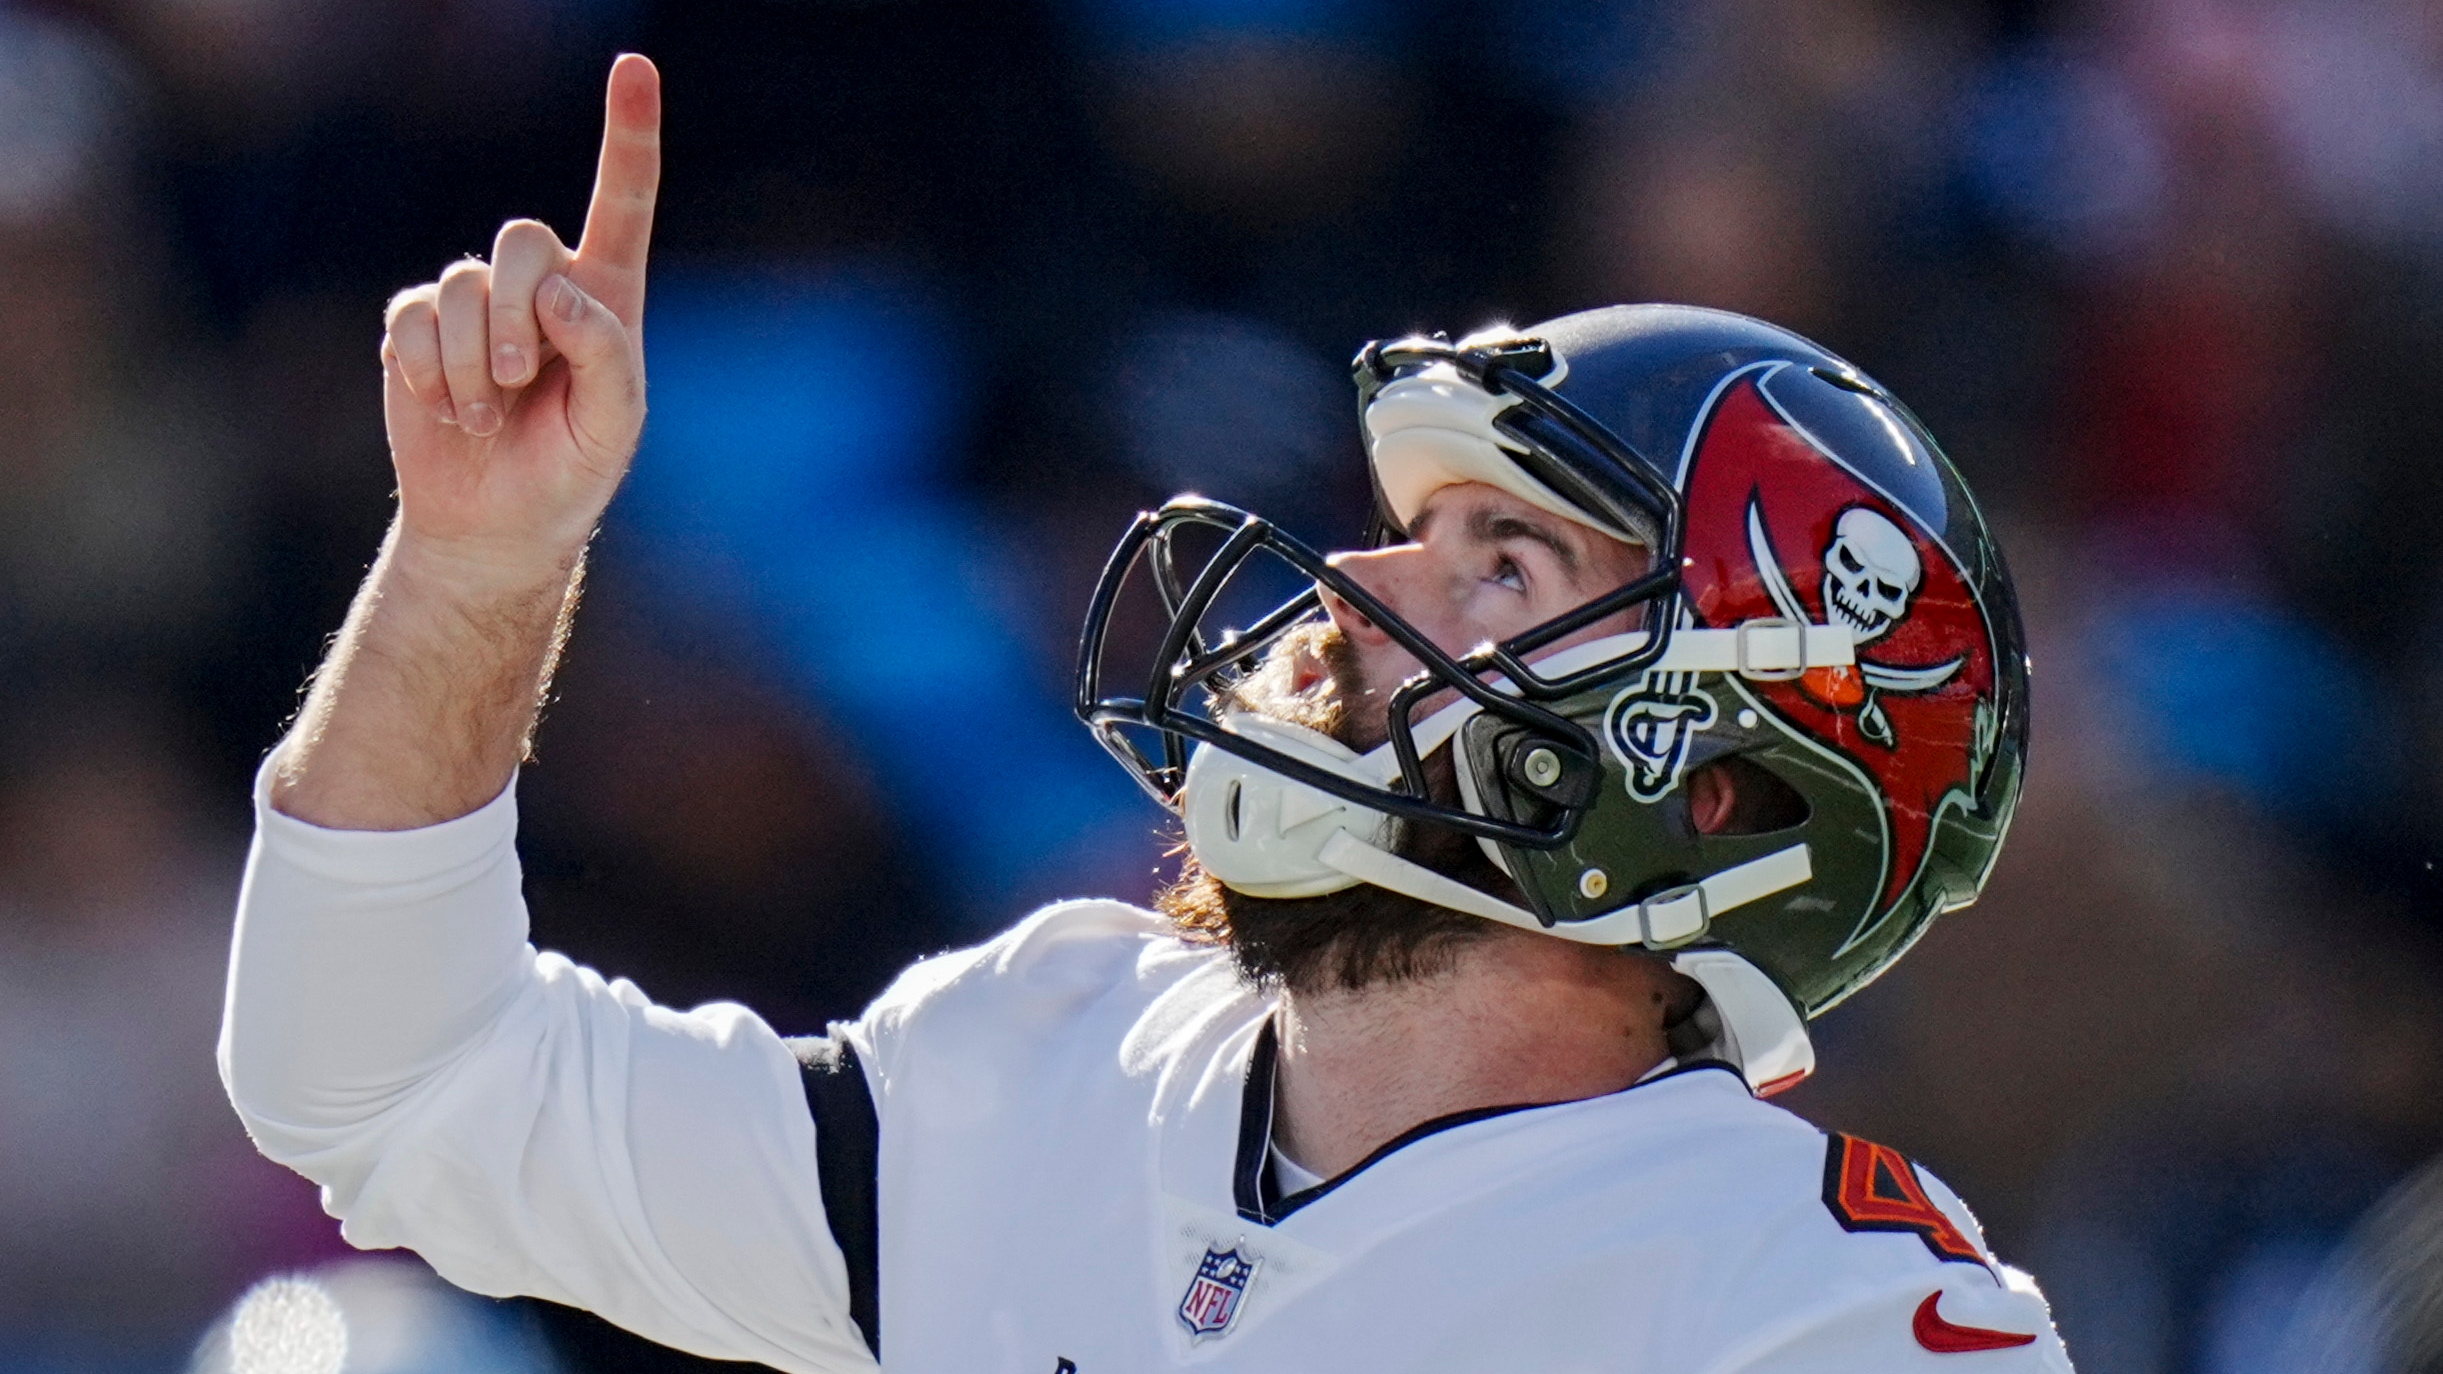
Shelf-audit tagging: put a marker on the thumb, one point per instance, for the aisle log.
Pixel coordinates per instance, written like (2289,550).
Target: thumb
(606,371)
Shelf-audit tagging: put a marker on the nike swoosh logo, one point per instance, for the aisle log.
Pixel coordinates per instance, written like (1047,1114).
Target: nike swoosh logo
(1950,1338)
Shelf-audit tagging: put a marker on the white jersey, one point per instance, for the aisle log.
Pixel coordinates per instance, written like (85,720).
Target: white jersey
(1072,1166)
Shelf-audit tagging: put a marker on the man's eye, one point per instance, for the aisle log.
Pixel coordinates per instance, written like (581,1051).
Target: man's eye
(1509,574)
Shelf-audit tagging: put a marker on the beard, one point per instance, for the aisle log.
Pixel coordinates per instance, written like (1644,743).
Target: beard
(1361,936)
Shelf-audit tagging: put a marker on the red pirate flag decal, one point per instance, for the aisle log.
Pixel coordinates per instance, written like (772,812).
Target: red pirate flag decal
(1778,526)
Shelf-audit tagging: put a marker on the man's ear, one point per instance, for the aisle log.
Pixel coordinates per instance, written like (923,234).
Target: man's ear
(1712,794)
(1733,795)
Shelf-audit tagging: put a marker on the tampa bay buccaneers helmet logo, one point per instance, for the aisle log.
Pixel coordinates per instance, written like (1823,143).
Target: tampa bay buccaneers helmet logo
(1779,525)
(1871,572)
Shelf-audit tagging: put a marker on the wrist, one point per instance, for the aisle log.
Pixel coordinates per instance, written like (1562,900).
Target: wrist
(475,567)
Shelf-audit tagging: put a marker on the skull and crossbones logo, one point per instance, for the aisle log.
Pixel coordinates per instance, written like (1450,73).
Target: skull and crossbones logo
(1870,572)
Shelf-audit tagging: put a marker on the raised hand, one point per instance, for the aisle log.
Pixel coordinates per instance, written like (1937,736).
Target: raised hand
(514,390)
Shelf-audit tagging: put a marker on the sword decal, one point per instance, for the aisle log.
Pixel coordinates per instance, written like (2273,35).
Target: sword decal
(1768,566)
(1884,679)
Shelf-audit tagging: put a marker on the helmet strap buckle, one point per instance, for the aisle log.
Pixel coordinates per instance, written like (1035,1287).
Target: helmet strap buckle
(1674,916)
(1755,654)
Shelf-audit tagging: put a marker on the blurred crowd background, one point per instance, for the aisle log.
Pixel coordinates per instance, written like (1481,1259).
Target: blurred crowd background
(944,292)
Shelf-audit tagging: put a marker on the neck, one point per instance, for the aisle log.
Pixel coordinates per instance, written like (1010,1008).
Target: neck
(1519,1018)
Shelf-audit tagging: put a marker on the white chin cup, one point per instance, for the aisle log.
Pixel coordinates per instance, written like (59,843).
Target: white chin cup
(1263,834)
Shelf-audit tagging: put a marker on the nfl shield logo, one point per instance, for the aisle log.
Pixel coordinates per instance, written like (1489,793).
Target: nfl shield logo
(1213,1298)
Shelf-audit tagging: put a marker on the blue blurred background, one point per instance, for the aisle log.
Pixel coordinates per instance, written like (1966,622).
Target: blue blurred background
(945,291)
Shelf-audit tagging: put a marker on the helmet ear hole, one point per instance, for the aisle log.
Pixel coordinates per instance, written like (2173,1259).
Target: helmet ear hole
(1735,795)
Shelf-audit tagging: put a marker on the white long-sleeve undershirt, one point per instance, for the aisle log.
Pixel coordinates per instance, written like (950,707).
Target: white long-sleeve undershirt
(524,1125)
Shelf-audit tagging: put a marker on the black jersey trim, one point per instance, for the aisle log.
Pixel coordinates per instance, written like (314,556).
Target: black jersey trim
(1252,1185)
(847,1162)
(1256,1189)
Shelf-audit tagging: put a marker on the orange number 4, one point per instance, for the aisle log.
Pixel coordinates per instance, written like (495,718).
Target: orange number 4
(1870,1187)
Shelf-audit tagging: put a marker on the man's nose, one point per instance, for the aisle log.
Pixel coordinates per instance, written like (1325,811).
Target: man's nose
(1383,573)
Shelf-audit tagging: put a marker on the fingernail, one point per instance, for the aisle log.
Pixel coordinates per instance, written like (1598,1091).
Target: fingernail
(561,297)
(446,413)
(508,364)
(480,418)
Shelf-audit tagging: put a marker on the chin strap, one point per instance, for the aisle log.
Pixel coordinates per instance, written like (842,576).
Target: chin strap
(1663,921)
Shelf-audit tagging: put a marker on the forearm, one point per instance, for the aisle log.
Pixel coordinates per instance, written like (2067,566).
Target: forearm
(428,698)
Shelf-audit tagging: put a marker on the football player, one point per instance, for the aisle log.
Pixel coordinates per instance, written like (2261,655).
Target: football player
(1681,691)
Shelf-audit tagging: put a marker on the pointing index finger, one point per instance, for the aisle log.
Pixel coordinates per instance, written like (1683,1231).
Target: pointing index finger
(610,261)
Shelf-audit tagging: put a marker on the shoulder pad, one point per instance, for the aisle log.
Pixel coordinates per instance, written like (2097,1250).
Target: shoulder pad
(1023,984)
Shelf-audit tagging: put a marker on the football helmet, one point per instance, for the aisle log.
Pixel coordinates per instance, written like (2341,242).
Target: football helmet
(1825,613)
